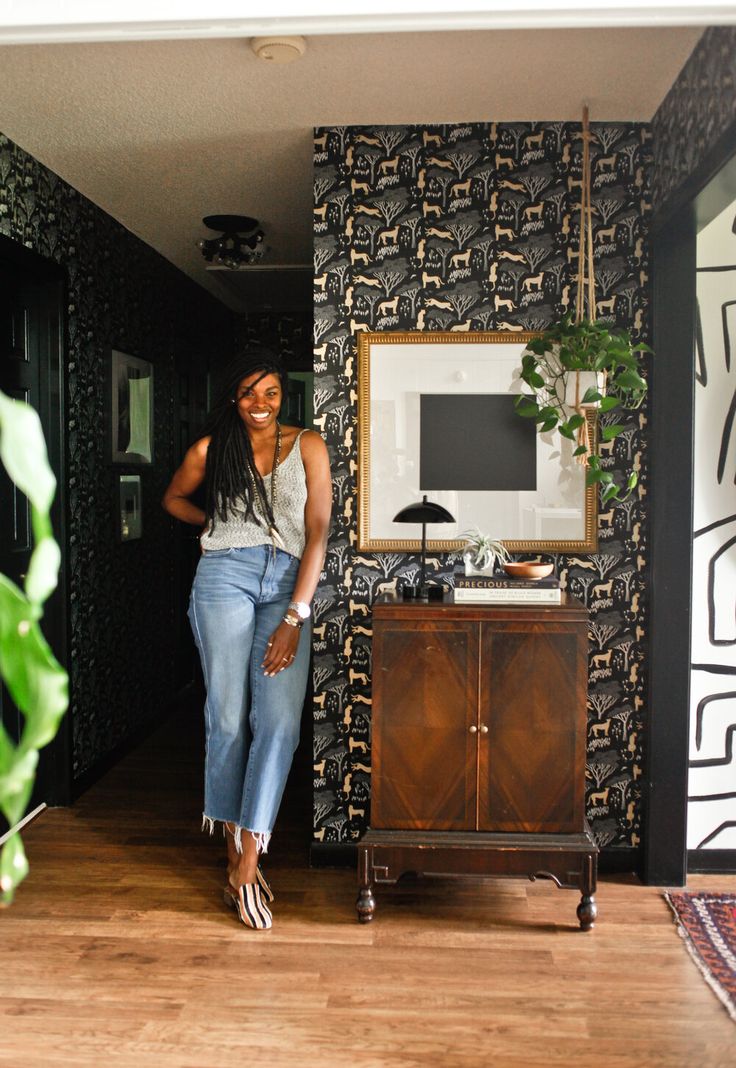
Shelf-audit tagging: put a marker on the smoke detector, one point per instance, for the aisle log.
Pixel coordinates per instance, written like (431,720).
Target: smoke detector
(279,49)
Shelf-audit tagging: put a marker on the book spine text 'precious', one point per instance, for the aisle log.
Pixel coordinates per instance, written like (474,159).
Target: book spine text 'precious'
(504,596)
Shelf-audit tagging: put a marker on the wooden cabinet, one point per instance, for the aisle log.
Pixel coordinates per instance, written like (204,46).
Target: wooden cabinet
(478,742)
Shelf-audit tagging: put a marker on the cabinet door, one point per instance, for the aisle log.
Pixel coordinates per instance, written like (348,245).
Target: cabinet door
(533,701)
(425,693)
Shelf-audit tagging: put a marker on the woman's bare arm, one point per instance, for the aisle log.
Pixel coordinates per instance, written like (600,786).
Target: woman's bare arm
(317,513)
(285,639)
(186,480)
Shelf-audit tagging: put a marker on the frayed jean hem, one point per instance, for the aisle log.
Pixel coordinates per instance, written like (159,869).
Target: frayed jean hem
(262,838)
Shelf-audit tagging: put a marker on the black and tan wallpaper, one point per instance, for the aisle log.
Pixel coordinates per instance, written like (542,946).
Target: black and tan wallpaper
(123,295)
(699,108)
(287,333)
(473,227)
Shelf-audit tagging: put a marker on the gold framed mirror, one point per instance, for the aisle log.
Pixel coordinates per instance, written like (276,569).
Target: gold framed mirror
(433,409)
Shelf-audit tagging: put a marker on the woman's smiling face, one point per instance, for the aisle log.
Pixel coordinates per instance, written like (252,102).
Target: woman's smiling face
(258,399)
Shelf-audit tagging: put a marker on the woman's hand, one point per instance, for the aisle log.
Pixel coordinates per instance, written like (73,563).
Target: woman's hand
(281,649)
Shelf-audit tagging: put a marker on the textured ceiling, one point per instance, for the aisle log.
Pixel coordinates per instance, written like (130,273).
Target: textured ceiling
(160,133)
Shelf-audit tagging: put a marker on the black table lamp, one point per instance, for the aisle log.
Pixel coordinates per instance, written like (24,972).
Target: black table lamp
(423,513)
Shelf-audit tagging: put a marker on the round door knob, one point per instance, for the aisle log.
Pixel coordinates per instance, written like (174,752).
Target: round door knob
(483,729)
(473,729)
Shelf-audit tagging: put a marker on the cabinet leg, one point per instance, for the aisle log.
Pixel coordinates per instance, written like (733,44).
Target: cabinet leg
(365,904)
(587,909)
(587,912)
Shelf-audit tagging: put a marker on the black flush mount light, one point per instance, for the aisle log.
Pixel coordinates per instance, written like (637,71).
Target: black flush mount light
(240,241)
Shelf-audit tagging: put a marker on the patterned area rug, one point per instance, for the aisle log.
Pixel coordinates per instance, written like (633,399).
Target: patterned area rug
(707,924)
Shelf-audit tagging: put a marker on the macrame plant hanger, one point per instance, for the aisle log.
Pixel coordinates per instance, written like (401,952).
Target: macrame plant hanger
(586,278)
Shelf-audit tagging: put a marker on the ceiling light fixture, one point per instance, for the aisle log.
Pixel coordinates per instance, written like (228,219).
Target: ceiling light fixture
(240,244)
(279,49)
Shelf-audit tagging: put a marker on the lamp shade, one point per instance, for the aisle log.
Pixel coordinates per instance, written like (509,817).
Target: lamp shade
(424,512)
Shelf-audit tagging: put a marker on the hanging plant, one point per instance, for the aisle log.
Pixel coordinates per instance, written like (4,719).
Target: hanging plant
(556,364)
(554,367)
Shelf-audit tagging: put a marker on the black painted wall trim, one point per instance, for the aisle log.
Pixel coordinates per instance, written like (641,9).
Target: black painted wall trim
(711,860)
(333,855)
(666,762)
(615,861)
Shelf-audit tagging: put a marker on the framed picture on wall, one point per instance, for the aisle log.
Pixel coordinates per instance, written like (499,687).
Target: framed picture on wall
(132,409)
(436,417)
(130,519)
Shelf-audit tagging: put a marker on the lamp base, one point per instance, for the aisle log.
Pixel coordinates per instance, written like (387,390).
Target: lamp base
(422,593)
(413,593)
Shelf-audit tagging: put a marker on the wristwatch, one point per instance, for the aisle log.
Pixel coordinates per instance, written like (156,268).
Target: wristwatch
(301,608)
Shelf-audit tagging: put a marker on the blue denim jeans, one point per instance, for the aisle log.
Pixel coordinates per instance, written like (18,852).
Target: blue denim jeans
(238,599)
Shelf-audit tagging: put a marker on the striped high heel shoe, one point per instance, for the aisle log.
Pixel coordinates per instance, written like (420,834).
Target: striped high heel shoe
(265,885)
(248,901)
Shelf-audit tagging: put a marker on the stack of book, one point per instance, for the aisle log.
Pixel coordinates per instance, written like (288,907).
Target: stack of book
(502,589)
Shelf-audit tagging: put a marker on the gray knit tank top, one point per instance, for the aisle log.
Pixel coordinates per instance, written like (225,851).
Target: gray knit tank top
(291,496)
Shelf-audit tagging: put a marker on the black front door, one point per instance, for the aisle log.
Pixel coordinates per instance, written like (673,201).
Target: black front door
(31,368)
(20,379)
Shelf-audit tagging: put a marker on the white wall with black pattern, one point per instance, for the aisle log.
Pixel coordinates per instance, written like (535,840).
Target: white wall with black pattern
(712,763)
(474,226)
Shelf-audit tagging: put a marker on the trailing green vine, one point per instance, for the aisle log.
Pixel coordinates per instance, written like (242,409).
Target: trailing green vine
(35,680)
(549,363)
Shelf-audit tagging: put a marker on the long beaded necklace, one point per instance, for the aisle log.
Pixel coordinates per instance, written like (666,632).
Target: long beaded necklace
(276,539)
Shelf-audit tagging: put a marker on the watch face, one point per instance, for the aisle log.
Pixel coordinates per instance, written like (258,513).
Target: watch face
(302,609)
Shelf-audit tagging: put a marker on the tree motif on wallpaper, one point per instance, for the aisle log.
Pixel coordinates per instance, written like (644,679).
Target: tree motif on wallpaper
(472,227)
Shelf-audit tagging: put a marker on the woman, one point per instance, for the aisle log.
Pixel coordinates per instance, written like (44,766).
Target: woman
(268,498)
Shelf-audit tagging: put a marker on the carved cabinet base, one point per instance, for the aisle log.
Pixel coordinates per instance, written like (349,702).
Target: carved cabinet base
(569,860)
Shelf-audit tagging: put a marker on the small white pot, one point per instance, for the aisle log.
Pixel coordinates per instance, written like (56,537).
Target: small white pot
(470,569)
(579,382)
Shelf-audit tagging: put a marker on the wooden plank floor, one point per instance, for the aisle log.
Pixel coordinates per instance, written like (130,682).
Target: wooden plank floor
(119,951)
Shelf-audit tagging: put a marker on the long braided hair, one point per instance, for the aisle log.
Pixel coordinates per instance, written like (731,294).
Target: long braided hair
(230,472)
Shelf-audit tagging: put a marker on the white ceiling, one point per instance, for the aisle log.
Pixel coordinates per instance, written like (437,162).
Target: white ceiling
(160,133)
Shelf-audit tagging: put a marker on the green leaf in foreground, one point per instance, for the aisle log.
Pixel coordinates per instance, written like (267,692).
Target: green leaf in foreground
(36,682)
